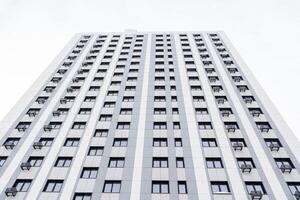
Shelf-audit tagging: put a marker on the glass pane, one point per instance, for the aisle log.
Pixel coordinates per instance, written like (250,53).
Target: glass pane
(116,187)
(107,187)
(164,188)
(57,187)
(155,188)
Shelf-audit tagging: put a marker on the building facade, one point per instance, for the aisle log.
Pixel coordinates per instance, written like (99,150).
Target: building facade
(147,116)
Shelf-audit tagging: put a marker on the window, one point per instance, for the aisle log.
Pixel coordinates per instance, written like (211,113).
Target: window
(79,125)
(245,162)
(273,142)
(53,186)
(22,126)
(101,133)
(46,142)
(33,112)
(63,162)
(35,161)
(219,187)
(112,93)
(94,88)
(294,187)
(109,104)
(160,142)
(11,142)
(180,162)
(231,126)
(159,125)
(2,160)
(255,187)
(204,125)
(89,172)
(82,196)
(105,118)
(175,111)
(128,98)
(160,162)
(96,151)
(90,99)
(159,98)
(126,111)
(201,111)
(160,187)
(112,187)
(85,111)
(182,188)
(176,125)
(160,111)
(178,142)
(209,142)
(22,185)
(120,142)
(123,125)
(284,163)
(116,162)
(71,142)
(55,125)
(263,126)
(214,163)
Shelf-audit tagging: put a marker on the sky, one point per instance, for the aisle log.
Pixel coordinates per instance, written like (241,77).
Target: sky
(265,33)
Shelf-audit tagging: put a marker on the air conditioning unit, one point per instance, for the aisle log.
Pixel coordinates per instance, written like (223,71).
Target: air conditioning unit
(274,147)
(47,128)
(37,145)
(256,195)
(238,146)
(25,166)
(246,168)
(286,168)
(11,192)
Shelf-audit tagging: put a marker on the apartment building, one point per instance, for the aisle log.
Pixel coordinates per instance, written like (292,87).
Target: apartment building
(147,116)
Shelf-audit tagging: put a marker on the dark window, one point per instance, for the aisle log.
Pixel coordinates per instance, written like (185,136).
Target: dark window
(214,163)
(160,142)
(63,162)
(116,162)
(96,151)
(182,188)
(209,142)
(112,187)
(22,185)
(255,187)
(89,172)
(71,142)
(53,186)
(160,162)
(120,142)
(219,187)
(101,133)
(180,162)
(160,187)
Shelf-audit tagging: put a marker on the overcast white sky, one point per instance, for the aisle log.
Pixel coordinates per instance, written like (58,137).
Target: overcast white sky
(265,33)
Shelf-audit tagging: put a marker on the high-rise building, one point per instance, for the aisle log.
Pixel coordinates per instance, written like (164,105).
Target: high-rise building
(147,116)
